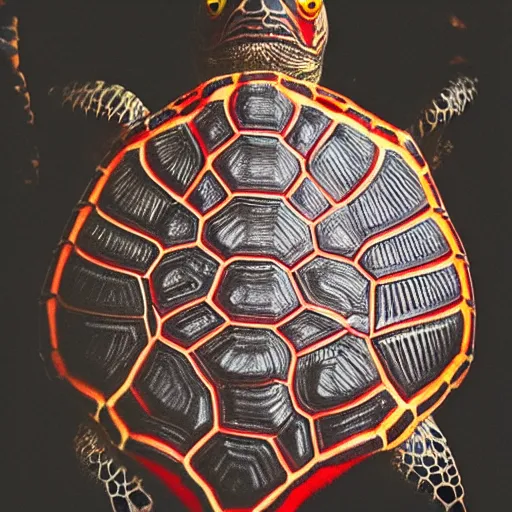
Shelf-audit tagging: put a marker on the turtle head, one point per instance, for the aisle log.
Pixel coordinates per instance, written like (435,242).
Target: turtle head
(288,36)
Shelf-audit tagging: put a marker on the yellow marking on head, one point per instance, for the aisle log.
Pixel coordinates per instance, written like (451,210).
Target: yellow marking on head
(215,7)
(310,9)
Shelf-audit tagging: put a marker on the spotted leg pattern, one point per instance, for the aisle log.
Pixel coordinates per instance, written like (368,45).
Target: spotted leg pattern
(126,495)
(9,43)
(426,460)
(111,101)
(452,102)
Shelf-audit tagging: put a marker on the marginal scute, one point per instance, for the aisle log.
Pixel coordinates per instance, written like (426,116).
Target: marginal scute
(257,162)
(208,193)
(416,246)
(189,326)
(175,157)
(241,470)
(334,375)
(415,356)
(337,286)
(259,226)
(262,409)
(215,85)
(400,426)
(160,118)
(343,161)
(181,277)
(338,427)
(392,197)
(179,404)
(100,351)
(414,296)
(243,355)
(108,242)
(309,200)
(310,125)
(131,197)
(91,287)
(309,327)
(256,291)
(263,107)
(298,87)
(432,400)
(213,125)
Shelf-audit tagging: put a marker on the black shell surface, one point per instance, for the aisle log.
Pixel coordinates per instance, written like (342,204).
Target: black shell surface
(258,280)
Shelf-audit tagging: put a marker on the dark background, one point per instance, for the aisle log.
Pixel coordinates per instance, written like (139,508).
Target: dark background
(390,57)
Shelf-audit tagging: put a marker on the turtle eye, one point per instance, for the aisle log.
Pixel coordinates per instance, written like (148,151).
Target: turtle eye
(310,8)
(215,7)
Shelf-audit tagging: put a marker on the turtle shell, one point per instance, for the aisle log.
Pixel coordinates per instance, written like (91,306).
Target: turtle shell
(260,287)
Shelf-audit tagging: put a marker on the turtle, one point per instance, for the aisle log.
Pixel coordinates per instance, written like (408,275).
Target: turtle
(261,286)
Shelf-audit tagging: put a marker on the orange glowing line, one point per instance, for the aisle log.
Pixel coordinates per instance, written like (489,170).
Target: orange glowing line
(221,271)
(63,257)
(281,458)
(459,381)
(372,307)
(436,314)
(159,181)
(58,364)
(411,222)
(295,314)
(80,221)
(212,334)
(133,373)
(441,263)
(179,309)
(92,259)
(131,230)
(294,360)
(291,122)
(383,375)
(211,388)
(368,395)
(205,247)
(96,192)
(140,400)
(245,433)
(95,313)
(293,188)
(120,425)
(367,179)
(51,311)
(173,344)
(348,261)
(469,316)
(176,248)
(82,387)
(325,342)
(214,503)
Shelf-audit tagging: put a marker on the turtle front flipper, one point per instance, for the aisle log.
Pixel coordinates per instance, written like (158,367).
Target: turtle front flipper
(113,102)
(451,103)
(26,156)
(98,458)
(426,460)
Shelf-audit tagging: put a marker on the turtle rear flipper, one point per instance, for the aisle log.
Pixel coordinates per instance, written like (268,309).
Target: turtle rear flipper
(426,461)
(26,154)
(97,457)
